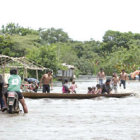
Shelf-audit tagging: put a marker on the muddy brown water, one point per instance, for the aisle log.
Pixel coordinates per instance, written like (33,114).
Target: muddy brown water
(73,119)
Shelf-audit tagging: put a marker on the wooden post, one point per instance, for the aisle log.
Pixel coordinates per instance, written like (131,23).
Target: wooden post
(4,68)
(62,76)
(37,74)
(26,73)
(69,75)
(23,76)
(72,73)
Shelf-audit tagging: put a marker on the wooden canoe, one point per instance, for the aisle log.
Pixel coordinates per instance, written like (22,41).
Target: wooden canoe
(72,96)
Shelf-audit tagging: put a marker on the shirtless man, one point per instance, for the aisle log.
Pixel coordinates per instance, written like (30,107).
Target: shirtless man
(101,76)
(123,78)
(46,80)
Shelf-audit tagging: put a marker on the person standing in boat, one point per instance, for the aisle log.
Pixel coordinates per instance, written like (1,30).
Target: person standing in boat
(46,80)
(123,78)
(101,76)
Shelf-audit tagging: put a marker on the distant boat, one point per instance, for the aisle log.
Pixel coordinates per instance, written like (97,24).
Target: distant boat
(73,96)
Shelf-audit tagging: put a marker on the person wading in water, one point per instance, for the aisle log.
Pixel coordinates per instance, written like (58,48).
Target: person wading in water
(123,78)
(101,76)
(46,80)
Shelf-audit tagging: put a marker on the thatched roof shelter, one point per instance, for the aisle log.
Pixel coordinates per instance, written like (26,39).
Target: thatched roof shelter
(20,62)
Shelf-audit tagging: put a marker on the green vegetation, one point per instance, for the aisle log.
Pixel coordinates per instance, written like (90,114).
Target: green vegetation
(51,47)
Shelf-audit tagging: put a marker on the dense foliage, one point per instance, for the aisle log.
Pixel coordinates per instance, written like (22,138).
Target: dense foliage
(51,47)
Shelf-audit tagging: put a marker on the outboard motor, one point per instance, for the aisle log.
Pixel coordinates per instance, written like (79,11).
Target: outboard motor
(12,103)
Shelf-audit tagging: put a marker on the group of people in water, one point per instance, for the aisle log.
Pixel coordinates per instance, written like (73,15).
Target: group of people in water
(32,84)
(14,84)
(69,89)
(101,87)
(110,84)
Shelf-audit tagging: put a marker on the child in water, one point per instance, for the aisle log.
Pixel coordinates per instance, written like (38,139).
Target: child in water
(73,87)
(99,89)
(89,90)
(65,88)
(93,90)
(115,81)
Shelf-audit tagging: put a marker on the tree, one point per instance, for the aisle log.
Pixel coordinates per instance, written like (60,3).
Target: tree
(6,44)
(116,38)
(53,35)
(12,28)
(45,56)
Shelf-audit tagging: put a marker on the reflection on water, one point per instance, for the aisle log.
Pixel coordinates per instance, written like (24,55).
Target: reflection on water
(67,119)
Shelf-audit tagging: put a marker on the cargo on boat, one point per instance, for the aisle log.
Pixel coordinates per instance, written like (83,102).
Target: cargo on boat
(72,96)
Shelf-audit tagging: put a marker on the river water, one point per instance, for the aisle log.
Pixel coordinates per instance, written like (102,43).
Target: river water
(76,119)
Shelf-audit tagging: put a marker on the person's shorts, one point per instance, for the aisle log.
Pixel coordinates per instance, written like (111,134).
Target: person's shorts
(20,96)
(1,94)
(46,88)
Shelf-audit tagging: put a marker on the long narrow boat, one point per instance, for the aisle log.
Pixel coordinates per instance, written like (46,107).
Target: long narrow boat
(72,96)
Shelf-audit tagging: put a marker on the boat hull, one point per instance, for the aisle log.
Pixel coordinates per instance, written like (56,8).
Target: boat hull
(72,96)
